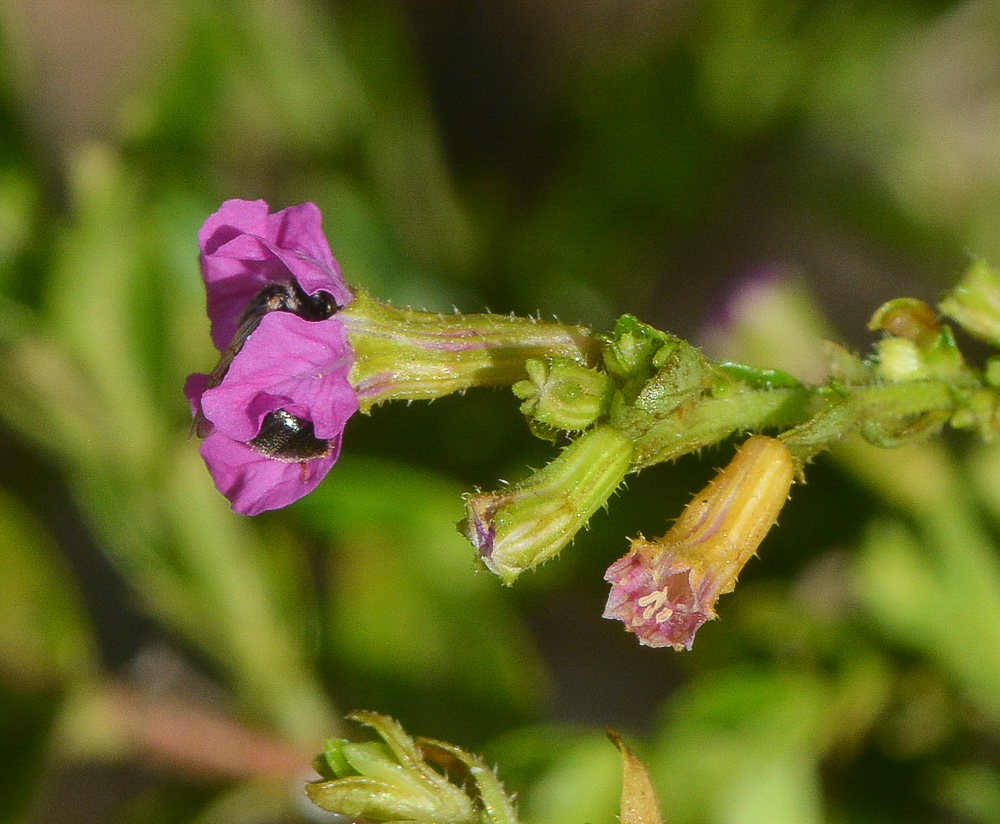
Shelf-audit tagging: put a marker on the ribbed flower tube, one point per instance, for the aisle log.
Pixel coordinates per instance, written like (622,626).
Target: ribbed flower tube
(665,590)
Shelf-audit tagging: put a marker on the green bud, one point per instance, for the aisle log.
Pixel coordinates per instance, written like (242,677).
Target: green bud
(386,781)
(907,318)
(975,303)
(655,374)
(918,346)
(519,528)
(563,395)
(921,357)
(635,350)
(399,779)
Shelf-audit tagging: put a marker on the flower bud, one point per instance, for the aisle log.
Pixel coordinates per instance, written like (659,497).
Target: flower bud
(907,318)
(562,394)
(387,781)
(975,303)
(665,590)
(636,354)
(918,347)
(520,528)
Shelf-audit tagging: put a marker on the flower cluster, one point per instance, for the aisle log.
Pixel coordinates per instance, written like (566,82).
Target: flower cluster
(406,780)
(273,411)
(300,353)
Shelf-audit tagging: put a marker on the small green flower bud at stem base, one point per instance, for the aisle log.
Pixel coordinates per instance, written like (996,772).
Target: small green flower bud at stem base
(386,781)
(630,352)
(665,590)
(975,303)
(907,318)
(520,528)
(919,347)
(562,394)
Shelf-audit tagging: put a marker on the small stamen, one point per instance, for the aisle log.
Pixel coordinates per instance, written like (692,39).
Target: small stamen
(652,603)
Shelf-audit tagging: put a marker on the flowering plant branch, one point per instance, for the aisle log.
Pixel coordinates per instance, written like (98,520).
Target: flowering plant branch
(301,352)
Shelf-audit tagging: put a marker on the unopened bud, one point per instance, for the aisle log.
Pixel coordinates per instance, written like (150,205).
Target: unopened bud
(907,318)
(386,781)
(520,528)
(562,394)
(975,303)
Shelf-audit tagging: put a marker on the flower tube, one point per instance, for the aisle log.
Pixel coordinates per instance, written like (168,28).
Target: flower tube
(665,590)
(522,527)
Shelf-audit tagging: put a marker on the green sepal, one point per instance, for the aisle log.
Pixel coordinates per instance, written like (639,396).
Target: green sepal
(332,763)
(496,806)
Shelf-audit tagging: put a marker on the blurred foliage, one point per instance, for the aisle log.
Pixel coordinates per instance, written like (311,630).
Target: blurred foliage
(855,673)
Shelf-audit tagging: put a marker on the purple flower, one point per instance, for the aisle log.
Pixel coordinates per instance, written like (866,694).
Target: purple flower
(273,411)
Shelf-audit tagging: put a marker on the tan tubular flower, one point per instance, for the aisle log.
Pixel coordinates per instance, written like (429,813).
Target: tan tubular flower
(665,590)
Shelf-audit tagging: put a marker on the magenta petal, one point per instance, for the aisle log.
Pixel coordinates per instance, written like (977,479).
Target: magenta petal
(255,483)
(194,388)
(659,605)
(233,217)
(243,249)
(287,363)
(296,235)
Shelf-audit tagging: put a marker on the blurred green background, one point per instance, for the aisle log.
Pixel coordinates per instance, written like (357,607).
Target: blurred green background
(163,660)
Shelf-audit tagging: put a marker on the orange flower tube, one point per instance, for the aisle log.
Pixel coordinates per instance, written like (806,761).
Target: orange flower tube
(665,590)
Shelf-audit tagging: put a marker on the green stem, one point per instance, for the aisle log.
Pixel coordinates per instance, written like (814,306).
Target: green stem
(706,421)
(814,417)
(886,414)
